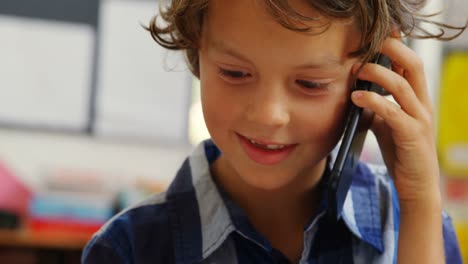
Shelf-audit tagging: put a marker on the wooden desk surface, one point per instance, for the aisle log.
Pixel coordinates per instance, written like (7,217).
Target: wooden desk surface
(24,238)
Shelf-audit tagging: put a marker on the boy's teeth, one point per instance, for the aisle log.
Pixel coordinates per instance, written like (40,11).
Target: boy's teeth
(272,147)
(275,146)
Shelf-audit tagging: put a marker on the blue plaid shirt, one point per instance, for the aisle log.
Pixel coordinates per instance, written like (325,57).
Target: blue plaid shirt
(196,222)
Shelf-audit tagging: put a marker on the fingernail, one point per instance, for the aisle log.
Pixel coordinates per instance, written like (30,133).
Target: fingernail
(357,94)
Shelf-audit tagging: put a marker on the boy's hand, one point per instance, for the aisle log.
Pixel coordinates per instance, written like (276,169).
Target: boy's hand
(405,134)
(406,138)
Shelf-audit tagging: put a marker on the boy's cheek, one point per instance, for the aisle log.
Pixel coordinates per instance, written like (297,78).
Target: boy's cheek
(218,106)
(323,125)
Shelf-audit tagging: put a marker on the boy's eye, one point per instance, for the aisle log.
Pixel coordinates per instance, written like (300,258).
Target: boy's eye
(233,74)
(312,85)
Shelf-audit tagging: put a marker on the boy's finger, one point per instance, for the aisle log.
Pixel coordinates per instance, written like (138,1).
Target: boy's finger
(385,140)
(391,113)
(411,65)
(398,69)
(396,85)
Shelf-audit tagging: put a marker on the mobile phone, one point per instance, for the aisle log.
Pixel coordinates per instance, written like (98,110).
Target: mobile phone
(358,122)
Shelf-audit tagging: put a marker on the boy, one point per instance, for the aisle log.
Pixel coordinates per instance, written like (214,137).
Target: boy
(275,81)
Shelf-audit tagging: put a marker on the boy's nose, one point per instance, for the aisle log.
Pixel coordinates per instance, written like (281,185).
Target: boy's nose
(269,108)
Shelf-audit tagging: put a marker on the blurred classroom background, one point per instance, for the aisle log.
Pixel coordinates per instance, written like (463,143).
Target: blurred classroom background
(94,116)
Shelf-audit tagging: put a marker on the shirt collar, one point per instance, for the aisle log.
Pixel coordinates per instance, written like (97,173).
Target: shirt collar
(199,218)
(202,214)
(362,208)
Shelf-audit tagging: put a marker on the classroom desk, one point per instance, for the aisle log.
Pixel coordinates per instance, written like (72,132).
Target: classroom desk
(23,247)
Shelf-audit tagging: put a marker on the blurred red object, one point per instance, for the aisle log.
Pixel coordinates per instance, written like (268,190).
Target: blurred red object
(14,194)
(456,189)
(63,227)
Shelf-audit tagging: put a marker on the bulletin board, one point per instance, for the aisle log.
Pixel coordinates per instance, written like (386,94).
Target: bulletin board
(143,90)
(48,52)
(89,67)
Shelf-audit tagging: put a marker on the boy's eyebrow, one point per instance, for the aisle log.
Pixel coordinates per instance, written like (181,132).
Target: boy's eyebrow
(326,62)
(225,48)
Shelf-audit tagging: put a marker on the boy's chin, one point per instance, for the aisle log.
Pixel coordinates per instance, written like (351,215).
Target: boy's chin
(270,181)
(280,177)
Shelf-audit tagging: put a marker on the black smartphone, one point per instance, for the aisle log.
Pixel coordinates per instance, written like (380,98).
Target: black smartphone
(358,122)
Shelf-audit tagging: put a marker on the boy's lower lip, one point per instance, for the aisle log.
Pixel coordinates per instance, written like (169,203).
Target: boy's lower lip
(264,156)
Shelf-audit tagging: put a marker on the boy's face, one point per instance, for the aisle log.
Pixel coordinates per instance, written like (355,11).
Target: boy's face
(263,82)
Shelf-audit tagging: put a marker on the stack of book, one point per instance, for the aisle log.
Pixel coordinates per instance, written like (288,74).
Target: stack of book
(67,213)
(14,198)
(71,204)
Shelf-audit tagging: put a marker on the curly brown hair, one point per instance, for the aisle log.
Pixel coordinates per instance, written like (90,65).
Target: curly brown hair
(375,19)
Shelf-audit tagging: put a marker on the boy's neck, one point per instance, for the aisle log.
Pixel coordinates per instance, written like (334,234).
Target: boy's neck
(281,214)
(291,200)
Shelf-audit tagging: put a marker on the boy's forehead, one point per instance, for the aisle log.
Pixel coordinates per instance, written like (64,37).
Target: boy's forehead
(260,8)
(303,7)
(323,60)
(247,25)
(241,9)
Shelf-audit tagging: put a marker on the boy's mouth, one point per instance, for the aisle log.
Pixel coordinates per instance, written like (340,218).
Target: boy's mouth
(265,152)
